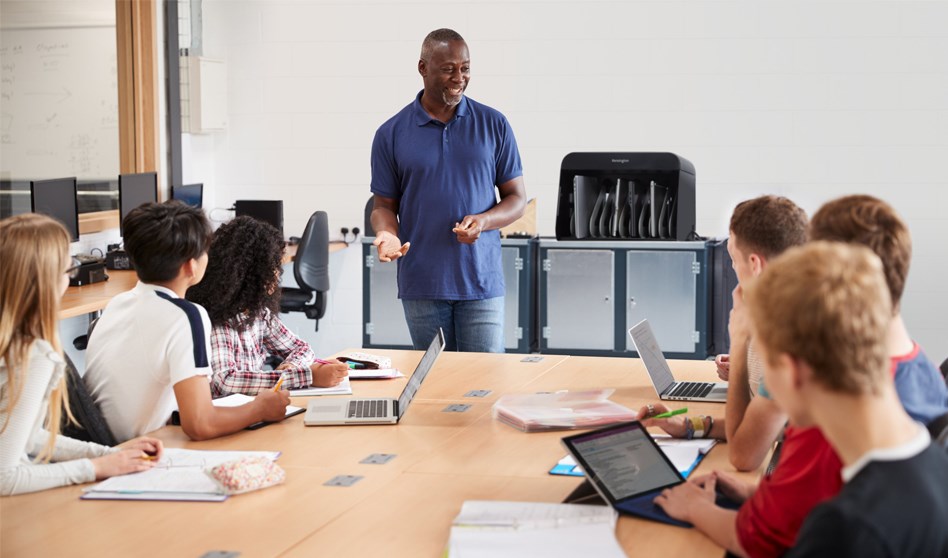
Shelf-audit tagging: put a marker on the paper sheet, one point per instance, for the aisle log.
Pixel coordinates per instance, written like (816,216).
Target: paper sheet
(501,529)
(238,399)
(344,388)
(377,374)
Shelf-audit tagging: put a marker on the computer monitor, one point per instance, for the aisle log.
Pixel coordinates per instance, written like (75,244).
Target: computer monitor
(190,194)
(268,211)
(57,198)
(135,190)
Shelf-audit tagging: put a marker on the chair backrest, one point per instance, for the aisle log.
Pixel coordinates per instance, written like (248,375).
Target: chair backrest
(311,265)
(938,428)
(944,369)
(92,426)
(369,206)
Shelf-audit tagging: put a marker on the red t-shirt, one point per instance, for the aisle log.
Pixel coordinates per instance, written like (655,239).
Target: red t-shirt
(807,474)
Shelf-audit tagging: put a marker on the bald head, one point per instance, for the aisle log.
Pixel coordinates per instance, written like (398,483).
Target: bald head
(436,37)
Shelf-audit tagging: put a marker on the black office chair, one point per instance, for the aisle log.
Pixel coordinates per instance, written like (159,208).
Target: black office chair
(369,206)
(91,425)
(938,428)
(311,270)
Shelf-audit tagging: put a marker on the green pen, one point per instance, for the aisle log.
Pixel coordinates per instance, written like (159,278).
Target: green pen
(671,413)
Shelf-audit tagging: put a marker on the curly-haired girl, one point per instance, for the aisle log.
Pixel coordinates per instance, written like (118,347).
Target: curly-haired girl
(241,293)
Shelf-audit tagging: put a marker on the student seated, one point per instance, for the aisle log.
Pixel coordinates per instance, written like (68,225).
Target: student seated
(35,273)
(149,350)
(828,365)
(241,293)
(760,230)
(869,221)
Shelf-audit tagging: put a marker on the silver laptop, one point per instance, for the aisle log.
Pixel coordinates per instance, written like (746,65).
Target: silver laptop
(651,354)
(355,410)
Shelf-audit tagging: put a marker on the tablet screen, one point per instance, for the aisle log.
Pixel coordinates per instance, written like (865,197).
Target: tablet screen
(623,460)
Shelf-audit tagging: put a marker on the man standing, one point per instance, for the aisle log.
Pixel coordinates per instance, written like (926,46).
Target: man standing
(437,166)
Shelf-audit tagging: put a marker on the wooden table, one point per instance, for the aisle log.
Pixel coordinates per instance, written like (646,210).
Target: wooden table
(402,508)
(95,297)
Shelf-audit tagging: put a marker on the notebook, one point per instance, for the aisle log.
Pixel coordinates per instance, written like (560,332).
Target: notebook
(353,410)
(628,469)
(661,375)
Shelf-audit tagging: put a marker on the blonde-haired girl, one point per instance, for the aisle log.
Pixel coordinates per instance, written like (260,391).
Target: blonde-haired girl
(34,273)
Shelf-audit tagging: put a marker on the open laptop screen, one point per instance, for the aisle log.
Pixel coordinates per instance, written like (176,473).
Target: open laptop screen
(651,354)
(623,461)
(424,366)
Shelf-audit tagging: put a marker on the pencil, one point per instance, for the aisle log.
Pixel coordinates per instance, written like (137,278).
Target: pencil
(279,382)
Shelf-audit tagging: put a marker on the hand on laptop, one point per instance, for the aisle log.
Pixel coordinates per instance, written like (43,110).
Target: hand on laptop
(688,499)
(272,404)
(728,485)
(673,426)
(723,362)
(329,375)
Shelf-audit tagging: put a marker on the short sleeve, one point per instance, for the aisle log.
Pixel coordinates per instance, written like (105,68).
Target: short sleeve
(509,165)
(189,347)
(385,181)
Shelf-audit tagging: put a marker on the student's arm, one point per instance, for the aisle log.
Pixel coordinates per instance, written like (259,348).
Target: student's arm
(752,425)
(675,426)
(296,354)
(385,224)
(513,199)
(694,502)
(227,377)
(201,420)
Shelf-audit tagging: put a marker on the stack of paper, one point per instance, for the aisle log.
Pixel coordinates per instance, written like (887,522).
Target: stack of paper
(375,374)
(563,410)
(501,529)
(684,455)
(180,475)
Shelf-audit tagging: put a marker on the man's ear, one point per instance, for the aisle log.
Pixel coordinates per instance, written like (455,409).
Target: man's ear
(189,267)
(801,375)
(422,67)
(757,263)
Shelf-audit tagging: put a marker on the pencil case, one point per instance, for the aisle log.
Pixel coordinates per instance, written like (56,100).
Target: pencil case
(368,361)
(247,474)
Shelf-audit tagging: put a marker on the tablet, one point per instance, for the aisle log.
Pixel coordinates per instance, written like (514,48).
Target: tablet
(627,468)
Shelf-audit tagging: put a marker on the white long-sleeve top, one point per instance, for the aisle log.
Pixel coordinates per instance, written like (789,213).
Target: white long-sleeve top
(24,436)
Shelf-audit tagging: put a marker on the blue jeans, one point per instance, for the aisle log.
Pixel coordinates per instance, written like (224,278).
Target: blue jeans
(469,325)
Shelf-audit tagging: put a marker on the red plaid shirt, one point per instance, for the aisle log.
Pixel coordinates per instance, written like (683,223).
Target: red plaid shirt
(237,358)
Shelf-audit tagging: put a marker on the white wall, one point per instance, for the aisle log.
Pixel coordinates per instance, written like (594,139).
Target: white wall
(811,100)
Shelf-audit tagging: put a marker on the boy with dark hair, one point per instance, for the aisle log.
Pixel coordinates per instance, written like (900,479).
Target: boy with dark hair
(149,350)
(862,219)
(827,364)
(760,230)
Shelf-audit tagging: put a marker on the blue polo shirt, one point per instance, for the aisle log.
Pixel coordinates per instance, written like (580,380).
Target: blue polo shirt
(440,173)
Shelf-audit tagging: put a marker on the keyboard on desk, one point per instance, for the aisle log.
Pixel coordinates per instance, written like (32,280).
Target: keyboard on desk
(368,408)
(691,389)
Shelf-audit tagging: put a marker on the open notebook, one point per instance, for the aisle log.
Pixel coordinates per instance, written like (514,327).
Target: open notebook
(180,475)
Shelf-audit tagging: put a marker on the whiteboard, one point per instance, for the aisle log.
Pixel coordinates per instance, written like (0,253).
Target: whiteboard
(58,103)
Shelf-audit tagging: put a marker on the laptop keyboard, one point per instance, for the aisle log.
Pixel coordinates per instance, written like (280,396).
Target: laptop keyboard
(691,389)
(368,408)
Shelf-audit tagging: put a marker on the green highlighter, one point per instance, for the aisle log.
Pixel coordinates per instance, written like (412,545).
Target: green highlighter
(671,413)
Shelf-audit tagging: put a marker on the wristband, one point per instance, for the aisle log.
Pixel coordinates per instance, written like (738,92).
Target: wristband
(707,433)
(697,425)
(689,429)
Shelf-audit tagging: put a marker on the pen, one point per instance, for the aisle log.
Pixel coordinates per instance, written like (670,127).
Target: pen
(351,365)
(279,382)
(671,413)
(149,457)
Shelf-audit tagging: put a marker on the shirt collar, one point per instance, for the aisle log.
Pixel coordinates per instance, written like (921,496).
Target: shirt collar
(422,117)
(907,450)
(149,287)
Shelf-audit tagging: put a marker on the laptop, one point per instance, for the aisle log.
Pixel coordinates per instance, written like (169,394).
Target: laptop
(355,410)
(628,469)
(651,354)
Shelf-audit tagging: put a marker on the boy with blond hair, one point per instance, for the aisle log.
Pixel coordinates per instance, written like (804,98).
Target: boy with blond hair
(827,365)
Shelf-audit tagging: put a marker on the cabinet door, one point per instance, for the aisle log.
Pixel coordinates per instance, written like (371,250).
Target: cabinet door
(662,287)
(386,316)
(580,299)
(512,331)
